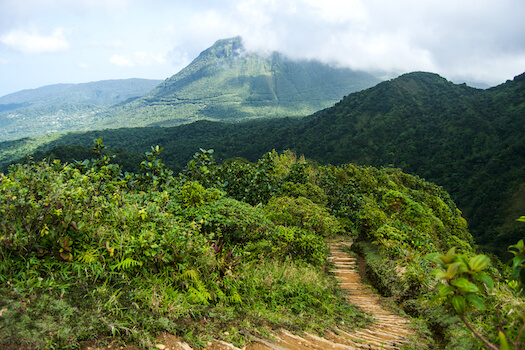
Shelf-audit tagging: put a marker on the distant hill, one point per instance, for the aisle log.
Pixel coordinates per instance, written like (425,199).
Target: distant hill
(228,83)
(100,93)
(63,107)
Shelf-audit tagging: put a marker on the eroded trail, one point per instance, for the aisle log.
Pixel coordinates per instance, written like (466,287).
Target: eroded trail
(389,331)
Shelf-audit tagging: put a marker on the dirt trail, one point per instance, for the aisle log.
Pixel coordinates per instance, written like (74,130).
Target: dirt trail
(389,331)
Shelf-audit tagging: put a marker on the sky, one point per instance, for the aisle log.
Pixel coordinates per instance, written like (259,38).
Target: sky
(45,42)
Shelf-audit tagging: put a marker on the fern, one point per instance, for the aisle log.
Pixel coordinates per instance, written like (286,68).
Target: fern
(191,275)
(235,298)
(126,264)
(88,257)
(200,295)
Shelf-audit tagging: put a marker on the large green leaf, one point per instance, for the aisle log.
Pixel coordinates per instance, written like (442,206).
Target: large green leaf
(476,300)
(503,343)
(465,286)
(436,258)
(485,279)
(452,270)
(520,247)
(449,257)
(459,304)
(479,262)
(517,261)
(446,290)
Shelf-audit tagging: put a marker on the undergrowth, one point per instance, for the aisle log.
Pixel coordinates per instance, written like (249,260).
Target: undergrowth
(89,253)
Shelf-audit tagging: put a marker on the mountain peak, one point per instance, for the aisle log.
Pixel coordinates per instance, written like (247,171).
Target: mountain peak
(226,82)
(225,48)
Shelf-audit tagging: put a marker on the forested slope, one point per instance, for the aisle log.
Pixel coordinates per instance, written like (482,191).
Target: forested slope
(467,140)
(90,253)
(226,82)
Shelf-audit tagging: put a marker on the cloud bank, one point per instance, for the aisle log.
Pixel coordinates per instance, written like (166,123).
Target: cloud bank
(34,43)
(468,40)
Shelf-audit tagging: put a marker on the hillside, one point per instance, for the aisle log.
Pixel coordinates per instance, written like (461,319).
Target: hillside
(228,83)
(63,107)
(467,140)
(233,252)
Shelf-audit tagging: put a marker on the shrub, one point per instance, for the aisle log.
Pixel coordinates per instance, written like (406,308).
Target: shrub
(304,213)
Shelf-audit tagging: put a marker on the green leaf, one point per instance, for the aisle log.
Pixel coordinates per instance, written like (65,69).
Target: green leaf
(464,263)
(459,304)
(522,218)
(125,264)
(189,275)
(520,247)
(479,262)
(465,286)
(503,343)
(485,279)
(474,299)
(440,274)
(517,260)
(452,270)
(446,290)
(447,259)
(436,258)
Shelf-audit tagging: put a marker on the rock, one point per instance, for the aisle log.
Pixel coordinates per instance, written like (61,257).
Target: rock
(160,346)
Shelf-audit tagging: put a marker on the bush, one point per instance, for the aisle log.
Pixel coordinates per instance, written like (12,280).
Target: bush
(303,213)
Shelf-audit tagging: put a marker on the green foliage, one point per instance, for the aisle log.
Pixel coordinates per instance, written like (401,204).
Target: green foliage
(463,278)
(291,290)
(148,252)
(303,213)
(465,288)
(124,247)
(153,171)
(518,266)
(467,140)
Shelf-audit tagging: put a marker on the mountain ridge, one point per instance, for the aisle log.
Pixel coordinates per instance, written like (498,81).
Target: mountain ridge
(64,107)
(228,83)
(101,92)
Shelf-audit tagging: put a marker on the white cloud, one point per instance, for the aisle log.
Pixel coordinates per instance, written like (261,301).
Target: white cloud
(147,58)
(33,43)
(111,44)
(121,61)
(474,39)
(337,11)
(139,58)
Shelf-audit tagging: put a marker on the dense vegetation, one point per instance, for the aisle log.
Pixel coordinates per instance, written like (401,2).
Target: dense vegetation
(91,252)
(469,141)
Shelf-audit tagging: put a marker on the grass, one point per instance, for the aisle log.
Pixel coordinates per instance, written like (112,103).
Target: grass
(275,295)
